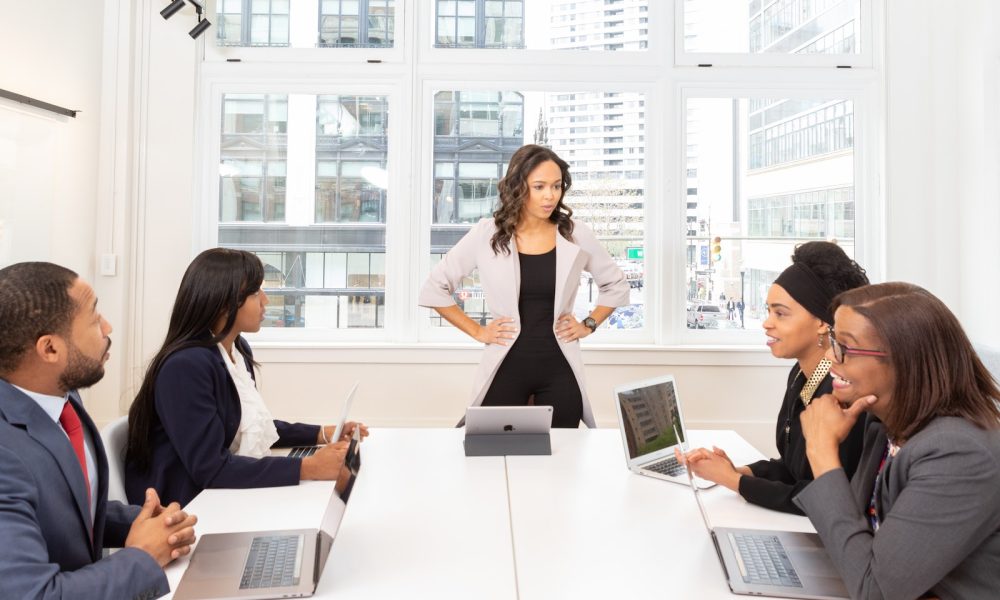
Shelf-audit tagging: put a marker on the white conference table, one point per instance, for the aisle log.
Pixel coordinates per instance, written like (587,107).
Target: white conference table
(424,521)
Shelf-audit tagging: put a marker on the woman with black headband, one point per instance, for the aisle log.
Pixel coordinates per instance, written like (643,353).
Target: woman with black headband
(798,305)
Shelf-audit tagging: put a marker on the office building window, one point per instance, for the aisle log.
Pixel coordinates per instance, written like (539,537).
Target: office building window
(477,132)
(252,22)
(772,26)
(744,220)
(323,252)
(356,23)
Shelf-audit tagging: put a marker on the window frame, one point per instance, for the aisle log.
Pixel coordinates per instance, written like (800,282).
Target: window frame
(410,74)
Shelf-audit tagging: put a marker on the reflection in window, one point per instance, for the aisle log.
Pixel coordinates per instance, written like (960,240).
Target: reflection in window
(252,22)
(351,148)
(253,170)
(772,26)
(746,215)
(480,24)
(600,134)
(356,23)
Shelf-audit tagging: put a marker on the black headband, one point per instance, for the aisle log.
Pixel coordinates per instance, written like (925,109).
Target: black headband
(808,290)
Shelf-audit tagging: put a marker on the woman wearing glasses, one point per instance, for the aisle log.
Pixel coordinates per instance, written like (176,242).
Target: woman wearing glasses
(798,305)
(921,516)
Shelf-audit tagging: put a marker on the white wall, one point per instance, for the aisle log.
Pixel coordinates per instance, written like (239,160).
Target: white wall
(941,184)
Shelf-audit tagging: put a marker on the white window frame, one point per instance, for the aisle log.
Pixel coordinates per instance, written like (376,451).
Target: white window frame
(413,70)
(868,13)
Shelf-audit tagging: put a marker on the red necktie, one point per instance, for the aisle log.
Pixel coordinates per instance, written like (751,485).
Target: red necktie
(70,421)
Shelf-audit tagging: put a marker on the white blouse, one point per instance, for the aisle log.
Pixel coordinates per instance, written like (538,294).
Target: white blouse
(257,433)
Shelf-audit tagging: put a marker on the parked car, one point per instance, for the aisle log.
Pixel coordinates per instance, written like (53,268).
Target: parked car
(704,316)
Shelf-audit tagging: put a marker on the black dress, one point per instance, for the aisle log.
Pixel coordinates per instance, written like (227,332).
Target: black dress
(777,481)
(535,365)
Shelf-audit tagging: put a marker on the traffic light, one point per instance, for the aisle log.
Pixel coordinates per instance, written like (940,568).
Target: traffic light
(717,249)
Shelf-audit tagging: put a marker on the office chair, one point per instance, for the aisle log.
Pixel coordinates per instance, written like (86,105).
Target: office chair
(115,436)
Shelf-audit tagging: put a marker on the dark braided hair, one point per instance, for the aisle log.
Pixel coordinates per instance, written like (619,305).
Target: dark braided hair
(831,264)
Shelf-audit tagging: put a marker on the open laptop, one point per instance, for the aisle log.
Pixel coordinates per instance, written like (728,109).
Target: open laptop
(498,420)
(303,451)
(269,564)
(786,564)
(649,417)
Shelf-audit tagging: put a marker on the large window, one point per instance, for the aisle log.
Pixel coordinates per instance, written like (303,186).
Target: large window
(753,195)
(324,252)
(600,134)
(357,141)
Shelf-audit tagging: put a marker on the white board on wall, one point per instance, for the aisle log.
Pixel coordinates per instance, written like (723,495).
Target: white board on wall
(29,169)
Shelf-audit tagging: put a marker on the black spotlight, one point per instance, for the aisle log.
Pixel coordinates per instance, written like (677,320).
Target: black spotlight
(172,8)
(199,28)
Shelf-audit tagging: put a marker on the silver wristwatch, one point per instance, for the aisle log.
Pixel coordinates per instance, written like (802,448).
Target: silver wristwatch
(591,323)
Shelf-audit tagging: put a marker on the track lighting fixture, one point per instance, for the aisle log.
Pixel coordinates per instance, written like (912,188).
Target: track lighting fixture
(172,8)
(200,28)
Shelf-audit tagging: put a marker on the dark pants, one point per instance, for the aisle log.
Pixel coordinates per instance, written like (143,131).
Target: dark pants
(538,374)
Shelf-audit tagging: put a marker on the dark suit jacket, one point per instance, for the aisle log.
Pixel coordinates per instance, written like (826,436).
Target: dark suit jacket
(197,417)
(45,546)
(776,482)
(939,515)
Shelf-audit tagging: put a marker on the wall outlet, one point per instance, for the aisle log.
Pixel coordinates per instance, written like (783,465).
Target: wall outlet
(109,265)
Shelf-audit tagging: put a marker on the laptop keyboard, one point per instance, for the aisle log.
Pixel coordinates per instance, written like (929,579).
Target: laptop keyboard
(667,466)
(273,562)
(302,451)
(764,560)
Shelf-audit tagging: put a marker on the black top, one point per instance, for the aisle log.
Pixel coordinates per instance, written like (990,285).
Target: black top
(777,481)
(536,302)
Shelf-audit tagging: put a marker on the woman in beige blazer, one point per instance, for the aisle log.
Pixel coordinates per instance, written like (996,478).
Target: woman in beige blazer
(530,256)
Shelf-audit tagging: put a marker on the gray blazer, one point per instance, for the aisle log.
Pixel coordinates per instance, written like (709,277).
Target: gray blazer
(45,546)
(939,512)
(500,275)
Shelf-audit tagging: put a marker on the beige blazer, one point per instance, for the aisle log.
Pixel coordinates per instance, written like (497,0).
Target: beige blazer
(500,275)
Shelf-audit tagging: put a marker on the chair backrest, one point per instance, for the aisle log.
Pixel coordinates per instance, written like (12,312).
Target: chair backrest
(115,436)
(991,358)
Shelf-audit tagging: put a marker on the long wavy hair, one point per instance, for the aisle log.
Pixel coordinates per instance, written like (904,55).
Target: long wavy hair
(215,285)
(513,189)
(938,373)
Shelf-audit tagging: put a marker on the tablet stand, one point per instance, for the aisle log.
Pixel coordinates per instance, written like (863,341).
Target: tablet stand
(508,444)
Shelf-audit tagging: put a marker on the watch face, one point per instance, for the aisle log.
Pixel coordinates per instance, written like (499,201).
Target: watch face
(591,323)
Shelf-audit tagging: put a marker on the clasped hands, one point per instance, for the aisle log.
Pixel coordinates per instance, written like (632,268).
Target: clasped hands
(164,532)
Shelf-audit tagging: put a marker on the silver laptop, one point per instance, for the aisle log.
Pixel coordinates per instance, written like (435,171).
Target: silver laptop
(303,451)
(496,420)
(268,564)
(786,564)
(649,417)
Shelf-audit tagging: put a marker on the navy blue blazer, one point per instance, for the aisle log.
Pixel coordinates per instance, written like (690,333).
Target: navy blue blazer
(197,417)
(45,545)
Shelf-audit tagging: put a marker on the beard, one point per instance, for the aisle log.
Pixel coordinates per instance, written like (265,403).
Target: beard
(82,371)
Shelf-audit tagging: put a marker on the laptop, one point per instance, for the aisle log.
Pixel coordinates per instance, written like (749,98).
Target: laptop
(499,420)
(786,564)
(304,451)
(649,417)
(269,564)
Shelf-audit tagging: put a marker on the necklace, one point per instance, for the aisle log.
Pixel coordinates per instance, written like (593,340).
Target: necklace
(808,391)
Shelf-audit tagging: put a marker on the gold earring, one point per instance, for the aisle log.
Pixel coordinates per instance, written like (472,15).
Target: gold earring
(819,342)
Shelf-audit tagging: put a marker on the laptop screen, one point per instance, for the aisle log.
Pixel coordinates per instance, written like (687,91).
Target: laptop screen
(651,419)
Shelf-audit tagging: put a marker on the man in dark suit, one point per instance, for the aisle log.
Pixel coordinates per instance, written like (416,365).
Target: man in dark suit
(55,518)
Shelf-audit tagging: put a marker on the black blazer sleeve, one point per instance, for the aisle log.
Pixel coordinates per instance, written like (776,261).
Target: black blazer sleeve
(189,397)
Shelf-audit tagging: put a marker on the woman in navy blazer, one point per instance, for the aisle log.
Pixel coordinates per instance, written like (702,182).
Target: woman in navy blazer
(184,423)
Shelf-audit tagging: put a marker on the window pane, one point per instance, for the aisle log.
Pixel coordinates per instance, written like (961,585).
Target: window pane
(336,24)
(543,25)
(772,26)
(325,253)
(608,191)
(764,174)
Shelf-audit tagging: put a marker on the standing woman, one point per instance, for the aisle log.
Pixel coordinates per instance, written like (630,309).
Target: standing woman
(798,318)
(198,420)
(530,256)
(921,516)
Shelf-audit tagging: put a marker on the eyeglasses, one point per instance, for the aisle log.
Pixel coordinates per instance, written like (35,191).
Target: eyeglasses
(841,351)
